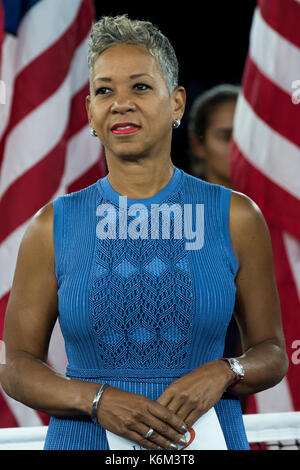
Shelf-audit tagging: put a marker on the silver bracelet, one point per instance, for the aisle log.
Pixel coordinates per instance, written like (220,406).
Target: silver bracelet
(96,402)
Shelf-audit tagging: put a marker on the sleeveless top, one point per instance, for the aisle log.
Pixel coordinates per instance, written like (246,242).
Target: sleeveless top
(145,293)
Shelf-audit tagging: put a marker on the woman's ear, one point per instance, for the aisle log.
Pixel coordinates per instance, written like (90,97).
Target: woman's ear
(179,99)
(88,108)
(197,146)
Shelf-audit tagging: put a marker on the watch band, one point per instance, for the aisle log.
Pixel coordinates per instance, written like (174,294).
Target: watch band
(239,378)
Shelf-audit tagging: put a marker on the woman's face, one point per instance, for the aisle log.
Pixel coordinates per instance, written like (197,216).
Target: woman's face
(130,107)
(216,144)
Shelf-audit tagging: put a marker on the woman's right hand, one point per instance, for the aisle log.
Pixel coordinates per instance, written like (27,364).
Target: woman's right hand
(131,415)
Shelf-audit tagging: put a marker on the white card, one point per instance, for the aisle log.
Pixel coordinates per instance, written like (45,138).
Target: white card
(206,434)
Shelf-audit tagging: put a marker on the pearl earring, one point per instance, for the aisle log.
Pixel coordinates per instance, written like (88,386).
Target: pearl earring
(176,123)
(93,133)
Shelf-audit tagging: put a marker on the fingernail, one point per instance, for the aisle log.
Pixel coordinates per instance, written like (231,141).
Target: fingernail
(173,446)
(184,428)
(182,441)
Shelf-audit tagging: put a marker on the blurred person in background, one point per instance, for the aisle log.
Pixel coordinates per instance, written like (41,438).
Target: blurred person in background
(210,131)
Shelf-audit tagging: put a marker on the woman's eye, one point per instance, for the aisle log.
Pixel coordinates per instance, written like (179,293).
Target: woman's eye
(142,86)
(226,136)
(102,91)
(137,86)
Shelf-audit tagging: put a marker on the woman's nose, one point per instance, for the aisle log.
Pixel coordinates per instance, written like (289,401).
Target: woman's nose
(122,104)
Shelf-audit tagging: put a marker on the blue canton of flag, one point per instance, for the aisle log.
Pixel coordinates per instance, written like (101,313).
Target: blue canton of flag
(14,11)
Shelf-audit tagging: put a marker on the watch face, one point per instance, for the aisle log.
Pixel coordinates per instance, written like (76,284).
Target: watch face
(237,367)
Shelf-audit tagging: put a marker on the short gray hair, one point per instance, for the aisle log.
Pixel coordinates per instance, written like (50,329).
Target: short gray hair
(112,30)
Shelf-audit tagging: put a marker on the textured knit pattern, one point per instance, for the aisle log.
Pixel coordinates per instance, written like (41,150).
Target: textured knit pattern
(141,302)
(139,311)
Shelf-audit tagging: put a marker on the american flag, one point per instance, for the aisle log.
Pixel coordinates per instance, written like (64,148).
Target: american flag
(265,165)
(45,146)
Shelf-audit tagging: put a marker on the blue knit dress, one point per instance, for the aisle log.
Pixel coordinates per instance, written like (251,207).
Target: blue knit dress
(146,294)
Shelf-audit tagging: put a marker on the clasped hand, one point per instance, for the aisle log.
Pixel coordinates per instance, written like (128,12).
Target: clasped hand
(193,394)
(182,403)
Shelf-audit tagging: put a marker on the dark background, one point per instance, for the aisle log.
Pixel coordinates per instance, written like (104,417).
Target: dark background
(210,38)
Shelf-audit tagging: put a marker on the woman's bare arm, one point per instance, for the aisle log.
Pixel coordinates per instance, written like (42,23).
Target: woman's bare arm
(259,319)
(30,317)
(257,303)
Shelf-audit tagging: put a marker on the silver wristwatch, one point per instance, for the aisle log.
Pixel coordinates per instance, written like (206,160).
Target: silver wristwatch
(236,368)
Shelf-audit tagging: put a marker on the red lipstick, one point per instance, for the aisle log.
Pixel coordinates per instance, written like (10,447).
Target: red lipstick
(122,128)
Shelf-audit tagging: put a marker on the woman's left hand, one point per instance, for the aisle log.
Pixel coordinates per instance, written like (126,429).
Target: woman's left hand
(195,393)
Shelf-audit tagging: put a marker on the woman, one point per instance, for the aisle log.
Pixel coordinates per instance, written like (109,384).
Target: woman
(143,313)
(210,131)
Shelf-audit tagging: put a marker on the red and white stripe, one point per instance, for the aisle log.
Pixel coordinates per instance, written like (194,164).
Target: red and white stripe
(45,146)
(265,165)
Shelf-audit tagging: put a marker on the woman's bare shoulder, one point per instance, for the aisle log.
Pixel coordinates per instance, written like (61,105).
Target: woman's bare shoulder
(242,205)
(248,228)
(42,220)
(38,236)
(44,216)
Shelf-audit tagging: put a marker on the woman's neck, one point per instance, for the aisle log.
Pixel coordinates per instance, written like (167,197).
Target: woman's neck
(215,178)
(139,179)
